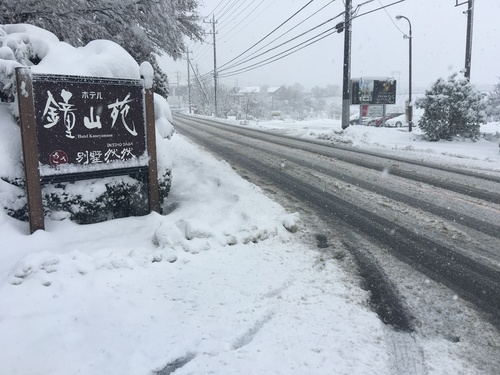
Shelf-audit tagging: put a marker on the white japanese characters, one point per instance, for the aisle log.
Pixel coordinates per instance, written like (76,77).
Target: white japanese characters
(92,122)
(54,109)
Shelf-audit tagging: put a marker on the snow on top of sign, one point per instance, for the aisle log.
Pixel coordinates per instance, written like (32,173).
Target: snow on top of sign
(163,117)
(147,73)
(99,58)
(6,53)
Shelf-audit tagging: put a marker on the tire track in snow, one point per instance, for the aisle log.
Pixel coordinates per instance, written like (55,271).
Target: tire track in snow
(473,281)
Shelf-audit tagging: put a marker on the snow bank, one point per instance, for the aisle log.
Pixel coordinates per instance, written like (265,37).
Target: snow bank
(100,58)
(218,282)
(483,153)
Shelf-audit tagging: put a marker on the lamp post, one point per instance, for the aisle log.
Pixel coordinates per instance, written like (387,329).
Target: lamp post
(409,109)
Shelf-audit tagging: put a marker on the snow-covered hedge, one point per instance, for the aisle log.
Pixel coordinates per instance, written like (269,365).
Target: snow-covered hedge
(83,201)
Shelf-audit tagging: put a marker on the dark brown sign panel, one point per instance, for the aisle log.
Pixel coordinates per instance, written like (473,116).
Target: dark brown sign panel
(373,91)
(86,127)
(94,122)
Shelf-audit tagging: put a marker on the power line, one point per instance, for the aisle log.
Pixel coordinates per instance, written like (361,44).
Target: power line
(293,49)
(249,22)
(252,56)
(221,19)
(278,56)
(391,18)
(230,74)
(229,8)
(374,10)
(300,10)
(213,11)
(203,48)
(286,32)
(280,45)
(230,4)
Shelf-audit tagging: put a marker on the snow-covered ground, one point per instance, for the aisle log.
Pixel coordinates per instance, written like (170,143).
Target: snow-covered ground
(218,282)
(483,154)
(224,283)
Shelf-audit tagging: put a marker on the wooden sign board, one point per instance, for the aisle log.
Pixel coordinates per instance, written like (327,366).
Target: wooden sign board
(75,128)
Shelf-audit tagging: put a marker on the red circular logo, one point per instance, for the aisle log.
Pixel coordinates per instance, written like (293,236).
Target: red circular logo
(58,157)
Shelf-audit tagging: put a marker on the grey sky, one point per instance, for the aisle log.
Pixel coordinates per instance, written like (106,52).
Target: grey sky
(378,46)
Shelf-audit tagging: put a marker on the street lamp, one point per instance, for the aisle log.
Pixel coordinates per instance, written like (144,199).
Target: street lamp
(409,109)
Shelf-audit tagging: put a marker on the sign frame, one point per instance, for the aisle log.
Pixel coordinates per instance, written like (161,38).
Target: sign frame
(373,91)
(37,168)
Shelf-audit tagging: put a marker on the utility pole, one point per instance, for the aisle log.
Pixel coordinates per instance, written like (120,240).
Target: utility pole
(468,45)
(189,81)
(215,63)
(346,92)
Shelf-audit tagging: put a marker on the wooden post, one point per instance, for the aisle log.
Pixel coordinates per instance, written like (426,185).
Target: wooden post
(154,198)
(30,148)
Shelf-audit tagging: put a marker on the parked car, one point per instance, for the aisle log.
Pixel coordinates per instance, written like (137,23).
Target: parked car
(367,121)
(355,120)
(378,120)
(400,121)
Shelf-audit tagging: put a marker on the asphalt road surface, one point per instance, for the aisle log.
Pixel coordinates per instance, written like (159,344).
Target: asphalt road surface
(394,216)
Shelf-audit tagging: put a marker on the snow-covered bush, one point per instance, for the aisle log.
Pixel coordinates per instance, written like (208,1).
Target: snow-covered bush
(452,107)
(494,103)
(83,201)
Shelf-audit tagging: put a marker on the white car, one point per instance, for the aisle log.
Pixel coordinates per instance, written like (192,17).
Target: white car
(400,121)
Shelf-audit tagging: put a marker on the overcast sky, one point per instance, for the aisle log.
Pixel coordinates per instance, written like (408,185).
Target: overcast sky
(378,46)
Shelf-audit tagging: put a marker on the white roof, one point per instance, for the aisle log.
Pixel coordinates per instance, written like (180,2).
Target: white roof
(270,90)
(249,90)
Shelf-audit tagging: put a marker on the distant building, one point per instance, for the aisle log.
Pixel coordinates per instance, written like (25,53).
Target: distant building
(249,90)
(272,91)
(256,101)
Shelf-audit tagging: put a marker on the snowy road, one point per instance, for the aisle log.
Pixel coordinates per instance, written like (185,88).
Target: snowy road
(442,222)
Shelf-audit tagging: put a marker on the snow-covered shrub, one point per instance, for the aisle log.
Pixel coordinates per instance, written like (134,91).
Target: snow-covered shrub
(452,107)
(494,103)
(83,201)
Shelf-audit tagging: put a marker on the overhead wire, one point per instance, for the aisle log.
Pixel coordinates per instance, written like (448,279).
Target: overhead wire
(221,38)
(222,19)
(288,19)
(283,34)
(233,4)
(287,52)
(392,20)
(229,4)
(291,50)
(276,47)
(294,27)
(265,62)
(203,48)
(374,10)
(213,11)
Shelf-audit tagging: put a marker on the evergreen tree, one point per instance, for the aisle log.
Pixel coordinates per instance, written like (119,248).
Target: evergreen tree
(452,107)
(153,25)
(494,103)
